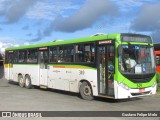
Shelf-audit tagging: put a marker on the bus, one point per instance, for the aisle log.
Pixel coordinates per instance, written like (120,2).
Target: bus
(91,66)
(157,56)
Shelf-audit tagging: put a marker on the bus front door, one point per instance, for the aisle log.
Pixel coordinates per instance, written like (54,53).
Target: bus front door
(105,65)
(43,67)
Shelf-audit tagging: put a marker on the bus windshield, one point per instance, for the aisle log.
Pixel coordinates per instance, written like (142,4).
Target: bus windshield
(136,59)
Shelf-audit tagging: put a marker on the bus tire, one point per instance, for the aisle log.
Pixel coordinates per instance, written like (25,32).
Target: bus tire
(21,81)
(28,83)
(86,91)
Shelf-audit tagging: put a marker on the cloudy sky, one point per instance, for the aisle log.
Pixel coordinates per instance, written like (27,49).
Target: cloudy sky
(24,22)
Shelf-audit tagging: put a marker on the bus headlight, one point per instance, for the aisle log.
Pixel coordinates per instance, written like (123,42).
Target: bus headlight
(154,84)
(123,85)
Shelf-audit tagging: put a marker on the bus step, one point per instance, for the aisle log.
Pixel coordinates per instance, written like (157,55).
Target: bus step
(43,86)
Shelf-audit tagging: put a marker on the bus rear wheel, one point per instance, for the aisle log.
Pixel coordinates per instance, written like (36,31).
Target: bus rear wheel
(86,91)
(28,83)
(21,81)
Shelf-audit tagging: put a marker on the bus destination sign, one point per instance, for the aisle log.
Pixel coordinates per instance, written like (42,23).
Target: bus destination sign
(105,42)
(43,48)
(145,39)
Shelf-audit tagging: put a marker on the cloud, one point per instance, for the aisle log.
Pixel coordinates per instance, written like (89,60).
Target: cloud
(87,15)
(4,4)
(156,36)
(3,46)
(26,43)
(127,5)
(15,10)
(38,37)
(49,10)
(29,34)
(26,27)
(148,19)
(6,42)
(6,39)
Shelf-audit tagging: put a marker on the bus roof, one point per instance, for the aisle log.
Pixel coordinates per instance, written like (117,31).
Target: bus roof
(77,40)
(71,41)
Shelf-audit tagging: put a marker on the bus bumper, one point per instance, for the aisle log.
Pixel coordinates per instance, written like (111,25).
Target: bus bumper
(123,92)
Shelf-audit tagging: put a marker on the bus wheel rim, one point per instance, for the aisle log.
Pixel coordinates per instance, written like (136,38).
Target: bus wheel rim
(21,80)
(87,90)
(27,81)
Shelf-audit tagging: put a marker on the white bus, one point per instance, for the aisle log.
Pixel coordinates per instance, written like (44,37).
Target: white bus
(92,66)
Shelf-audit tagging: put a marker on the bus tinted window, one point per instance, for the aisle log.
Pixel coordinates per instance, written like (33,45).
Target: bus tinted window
(53,54)
(32,56)
(60,54)
(68,53)
(85,53)
(15,58)
(22,56)
(65,53)
(9,57)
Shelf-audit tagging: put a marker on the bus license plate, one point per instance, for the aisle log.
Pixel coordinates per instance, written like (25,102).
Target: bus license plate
(142,90)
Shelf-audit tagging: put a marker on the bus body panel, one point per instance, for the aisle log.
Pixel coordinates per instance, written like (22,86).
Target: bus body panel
(23,69)
(6,71)
(68,77)
(89,75)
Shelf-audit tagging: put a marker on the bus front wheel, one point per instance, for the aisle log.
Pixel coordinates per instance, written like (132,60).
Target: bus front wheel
(86,91)
(28,83)
(21,81)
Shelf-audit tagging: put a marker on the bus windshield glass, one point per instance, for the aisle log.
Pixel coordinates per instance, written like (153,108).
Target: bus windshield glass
(136,59)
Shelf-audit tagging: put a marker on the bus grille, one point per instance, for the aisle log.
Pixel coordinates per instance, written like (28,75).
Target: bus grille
(138,94)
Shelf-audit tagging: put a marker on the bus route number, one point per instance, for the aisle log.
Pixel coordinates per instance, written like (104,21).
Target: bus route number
(81,72)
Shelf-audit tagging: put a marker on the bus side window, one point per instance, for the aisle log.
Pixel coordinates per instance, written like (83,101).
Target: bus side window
(85,53)
(79,53)
(53,54)
(22,56)
(60,54)
(68,53)
(15,57)
(89,53)
(65,53)
(9,57)
(32,56)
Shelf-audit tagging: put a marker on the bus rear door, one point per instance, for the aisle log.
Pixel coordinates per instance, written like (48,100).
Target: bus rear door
(43,61)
